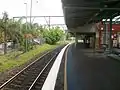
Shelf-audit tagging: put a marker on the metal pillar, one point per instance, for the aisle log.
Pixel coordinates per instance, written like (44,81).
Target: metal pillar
(26,13)
(94,49)
(94,40)
(110,35)
(49,22)
(31,14)
(76,39)
(106,34)
(104,28)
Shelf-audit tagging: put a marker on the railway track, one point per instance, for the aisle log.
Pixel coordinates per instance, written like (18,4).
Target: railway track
(33,76)
(39,81)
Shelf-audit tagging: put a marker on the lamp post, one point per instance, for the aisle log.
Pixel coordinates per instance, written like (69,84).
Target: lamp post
(31,6)
(31,14)
(26,15)
(26,29)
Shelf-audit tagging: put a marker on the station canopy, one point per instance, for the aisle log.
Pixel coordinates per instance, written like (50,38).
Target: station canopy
(81,12)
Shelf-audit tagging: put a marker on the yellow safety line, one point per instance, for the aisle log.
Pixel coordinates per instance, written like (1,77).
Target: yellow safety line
(65,70)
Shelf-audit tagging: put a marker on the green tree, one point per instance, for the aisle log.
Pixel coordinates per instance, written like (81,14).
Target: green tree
(53,35)
(9,30)
(4,26)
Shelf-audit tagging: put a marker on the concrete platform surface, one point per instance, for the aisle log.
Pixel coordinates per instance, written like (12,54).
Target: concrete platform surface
(87,70)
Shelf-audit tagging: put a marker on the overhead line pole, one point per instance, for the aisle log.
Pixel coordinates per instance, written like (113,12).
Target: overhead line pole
(31,14)
(26,15)
(26,42)
(49,22)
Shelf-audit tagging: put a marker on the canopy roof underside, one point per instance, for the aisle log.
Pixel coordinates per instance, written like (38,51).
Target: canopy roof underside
(80,12)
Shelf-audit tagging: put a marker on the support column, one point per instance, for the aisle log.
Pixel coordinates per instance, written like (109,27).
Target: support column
(104,37)
(94,41)
(110,35)
(107,34)
(100,35)
(76,39)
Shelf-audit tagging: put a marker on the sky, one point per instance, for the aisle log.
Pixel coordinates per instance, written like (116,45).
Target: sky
(40,8)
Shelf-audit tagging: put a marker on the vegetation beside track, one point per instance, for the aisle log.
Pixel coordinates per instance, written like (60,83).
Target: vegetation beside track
(11,60)
(20,42)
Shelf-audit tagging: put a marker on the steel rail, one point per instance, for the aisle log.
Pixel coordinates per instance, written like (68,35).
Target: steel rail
(16,75)
(42,72)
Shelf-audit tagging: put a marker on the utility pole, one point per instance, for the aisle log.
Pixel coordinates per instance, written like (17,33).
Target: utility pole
(31,18)
(26,29)
(5,38)
(5,18)
(26,15)
(31,14)
(49,22)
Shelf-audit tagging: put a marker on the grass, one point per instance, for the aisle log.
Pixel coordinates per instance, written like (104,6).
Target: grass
(9,61)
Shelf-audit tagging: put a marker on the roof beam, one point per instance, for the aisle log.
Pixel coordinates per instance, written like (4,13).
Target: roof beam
(111,1)
(91,8)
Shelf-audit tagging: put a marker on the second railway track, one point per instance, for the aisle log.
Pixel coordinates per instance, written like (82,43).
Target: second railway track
(33,76)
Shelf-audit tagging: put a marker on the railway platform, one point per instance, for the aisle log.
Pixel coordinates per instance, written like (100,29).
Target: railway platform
(87,70)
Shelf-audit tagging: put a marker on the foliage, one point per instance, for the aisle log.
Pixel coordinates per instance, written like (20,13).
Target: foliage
(53,35)
(15,31)
(22,34)
(8,61)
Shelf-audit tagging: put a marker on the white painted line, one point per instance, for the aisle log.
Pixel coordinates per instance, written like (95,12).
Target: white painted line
(50,81)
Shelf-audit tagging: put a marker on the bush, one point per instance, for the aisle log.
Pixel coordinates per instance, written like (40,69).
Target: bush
(53,36)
